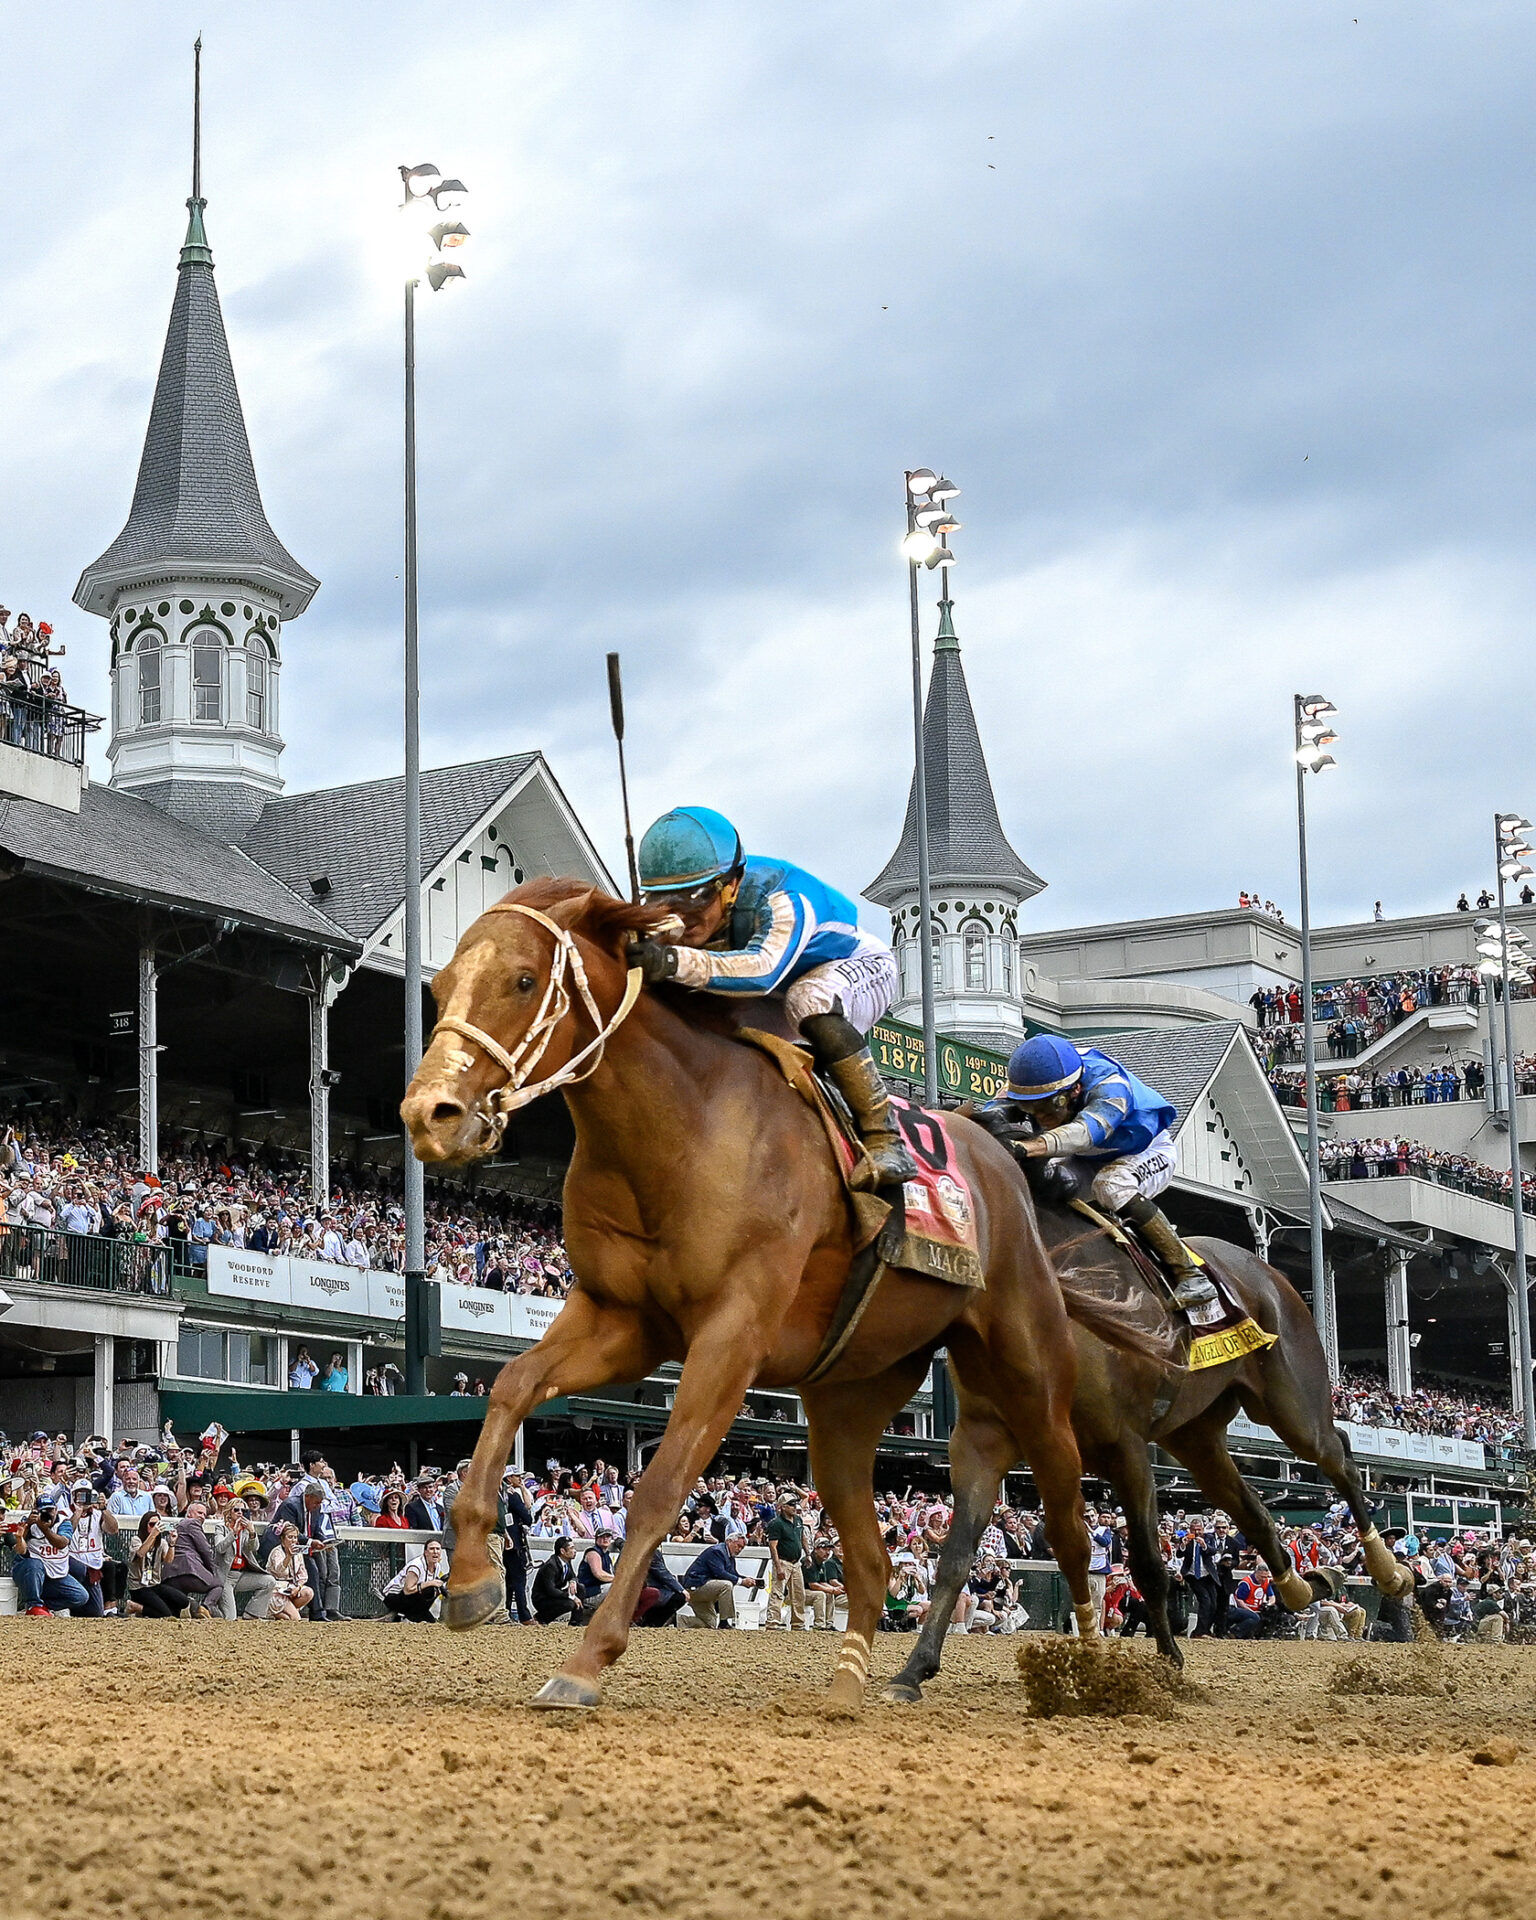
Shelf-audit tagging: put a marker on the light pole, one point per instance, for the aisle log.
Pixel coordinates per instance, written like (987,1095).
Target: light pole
(924,545)
(425,189)
(1314,736)
(1503,953)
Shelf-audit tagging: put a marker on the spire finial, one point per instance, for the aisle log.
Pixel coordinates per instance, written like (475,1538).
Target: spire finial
(197,118)
(946,640)
(195,251)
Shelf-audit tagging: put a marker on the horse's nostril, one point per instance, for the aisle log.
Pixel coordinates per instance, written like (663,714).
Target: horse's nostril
(447,1110)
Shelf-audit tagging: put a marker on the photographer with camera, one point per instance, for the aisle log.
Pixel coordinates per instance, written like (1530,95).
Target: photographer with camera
(41,1566)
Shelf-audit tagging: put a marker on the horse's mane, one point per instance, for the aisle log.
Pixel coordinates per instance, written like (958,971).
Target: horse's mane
(605,921)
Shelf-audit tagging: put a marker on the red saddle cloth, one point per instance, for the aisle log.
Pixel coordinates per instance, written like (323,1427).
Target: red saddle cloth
(940,1237)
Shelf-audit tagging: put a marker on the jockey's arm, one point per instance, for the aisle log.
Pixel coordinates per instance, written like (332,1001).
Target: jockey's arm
(783,926)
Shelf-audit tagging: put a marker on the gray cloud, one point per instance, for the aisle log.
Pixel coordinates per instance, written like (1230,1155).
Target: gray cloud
(1219,316)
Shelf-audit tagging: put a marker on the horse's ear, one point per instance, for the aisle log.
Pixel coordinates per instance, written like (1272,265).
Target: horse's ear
(570,912)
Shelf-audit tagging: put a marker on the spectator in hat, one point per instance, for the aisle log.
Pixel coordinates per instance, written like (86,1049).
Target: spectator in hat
(784,1537)
(41,1566)
(594,1574)
(424,1510)
(238,1555)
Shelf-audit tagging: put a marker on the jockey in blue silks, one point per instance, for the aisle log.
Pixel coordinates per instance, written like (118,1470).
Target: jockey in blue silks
(1086,1105)
(753,926)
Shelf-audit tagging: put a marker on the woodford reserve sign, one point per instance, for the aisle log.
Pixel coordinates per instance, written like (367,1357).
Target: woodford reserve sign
(965,1072)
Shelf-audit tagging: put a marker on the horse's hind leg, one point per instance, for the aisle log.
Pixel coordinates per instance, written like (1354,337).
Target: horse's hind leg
(1202,1447)
(1304,1421)
(1036,1404)
(1128,1468)
(981,1450)
(846,1422)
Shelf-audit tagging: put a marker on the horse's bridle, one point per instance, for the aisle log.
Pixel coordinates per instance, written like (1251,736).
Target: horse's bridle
(501,1102)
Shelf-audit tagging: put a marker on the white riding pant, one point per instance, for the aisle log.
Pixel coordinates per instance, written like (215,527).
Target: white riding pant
(1146,1173)
(866,982)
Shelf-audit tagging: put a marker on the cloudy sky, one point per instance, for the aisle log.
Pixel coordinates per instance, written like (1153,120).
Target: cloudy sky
(1221,316)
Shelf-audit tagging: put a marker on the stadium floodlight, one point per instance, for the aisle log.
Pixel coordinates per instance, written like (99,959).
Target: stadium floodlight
(919,545)
(1514,965)
(920,481)
(943,490)
(418,181)
(1313,736)
(426,192)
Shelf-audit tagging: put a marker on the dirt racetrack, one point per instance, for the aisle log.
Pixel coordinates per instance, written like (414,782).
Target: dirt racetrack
(167,1769)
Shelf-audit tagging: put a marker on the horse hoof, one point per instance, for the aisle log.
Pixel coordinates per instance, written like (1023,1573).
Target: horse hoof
(473,1606)
(562,1691)
(902,1693)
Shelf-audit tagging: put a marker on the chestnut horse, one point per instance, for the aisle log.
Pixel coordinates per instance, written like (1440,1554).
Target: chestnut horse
(1124,1404)
(706,1224)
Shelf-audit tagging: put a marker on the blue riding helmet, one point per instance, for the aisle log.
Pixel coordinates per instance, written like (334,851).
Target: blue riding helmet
(686,848)
(1043,1067)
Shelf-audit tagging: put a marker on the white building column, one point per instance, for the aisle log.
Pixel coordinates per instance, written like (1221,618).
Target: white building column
(1512,1340)
(103,1367)
(1325,1312)
(320,1095)
(149,1061)
(1399,1342)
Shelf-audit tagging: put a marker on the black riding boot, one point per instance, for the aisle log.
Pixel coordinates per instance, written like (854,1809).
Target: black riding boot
(1192,1288)
(843,1052)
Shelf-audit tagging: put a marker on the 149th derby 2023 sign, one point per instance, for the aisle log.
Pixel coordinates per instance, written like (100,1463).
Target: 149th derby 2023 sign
(319,1287)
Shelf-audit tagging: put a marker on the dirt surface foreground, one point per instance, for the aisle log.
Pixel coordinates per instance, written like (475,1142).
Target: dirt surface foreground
(156,1769)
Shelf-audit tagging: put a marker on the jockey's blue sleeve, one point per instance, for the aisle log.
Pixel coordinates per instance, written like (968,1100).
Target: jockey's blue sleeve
(786,922)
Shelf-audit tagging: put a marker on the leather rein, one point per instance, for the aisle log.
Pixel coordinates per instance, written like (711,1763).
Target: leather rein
(502,1102)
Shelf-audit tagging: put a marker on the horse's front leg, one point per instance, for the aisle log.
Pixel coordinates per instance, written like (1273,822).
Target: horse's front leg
(722,1363)
(590,1344)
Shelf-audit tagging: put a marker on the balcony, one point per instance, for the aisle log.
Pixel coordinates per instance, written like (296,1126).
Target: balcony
(49,1257)
(42,748)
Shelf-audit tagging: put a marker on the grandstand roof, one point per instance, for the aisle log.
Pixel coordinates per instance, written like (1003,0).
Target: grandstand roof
(355,836)
(196,507)
(1178,1062)
(121,845)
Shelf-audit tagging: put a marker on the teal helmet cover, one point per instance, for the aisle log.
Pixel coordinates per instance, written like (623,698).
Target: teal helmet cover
(688,847)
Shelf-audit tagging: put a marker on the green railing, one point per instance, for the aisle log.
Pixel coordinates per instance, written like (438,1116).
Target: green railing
(50,1257)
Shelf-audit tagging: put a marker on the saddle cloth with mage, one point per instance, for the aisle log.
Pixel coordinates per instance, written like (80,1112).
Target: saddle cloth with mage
(936,1233)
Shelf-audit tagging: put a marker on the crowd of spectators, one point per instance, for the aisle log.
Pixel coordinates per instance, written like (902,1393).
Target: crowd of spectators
(88,1181)
(1377,1089)
(208,1536)
(33,703)
(1364,1398)
(1390,1157)
(1251,903)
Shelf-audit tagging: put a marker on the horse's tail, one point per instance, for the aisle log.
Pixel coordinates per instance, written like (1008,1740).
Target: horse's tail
(1096,1298)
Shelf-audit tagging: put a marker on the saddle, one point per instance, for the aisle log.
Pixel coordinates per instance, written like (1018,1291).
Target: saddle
(925,1226)
(1220,1331)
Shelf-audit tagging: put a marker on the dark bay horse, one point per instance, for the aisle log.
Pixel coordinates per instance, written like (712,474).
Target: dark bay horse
(1124,1404)
(706,1224)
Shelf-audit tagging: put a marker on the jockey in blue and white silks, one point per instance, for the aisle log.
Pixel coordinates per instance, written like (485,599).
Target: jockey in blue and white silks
(1087,1106)
(753,925)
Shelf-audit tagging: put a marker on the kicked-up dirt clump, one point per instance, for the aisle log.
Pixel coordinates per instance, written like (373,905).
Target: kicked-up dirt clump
(1099,1677)
(1417,1672)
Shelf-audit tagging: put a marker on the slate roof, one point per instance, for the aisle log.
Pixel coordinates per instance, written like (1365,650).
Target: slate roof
(196,506)
(355,836)
(1177,1061)
(966,841)
(122,845)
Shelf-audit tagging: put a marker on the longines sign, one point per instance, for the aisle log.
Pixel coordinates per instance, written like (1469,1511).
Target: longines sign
(322,1288)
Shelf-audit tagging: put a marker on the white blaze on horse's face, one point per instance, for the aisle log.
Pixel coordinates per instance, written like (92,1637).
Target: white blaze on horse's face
(445,1107)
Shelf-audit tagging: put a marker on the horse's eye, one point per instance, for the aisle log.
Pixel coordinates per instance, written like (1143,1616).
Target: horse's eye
(525,983)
